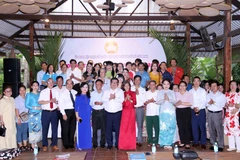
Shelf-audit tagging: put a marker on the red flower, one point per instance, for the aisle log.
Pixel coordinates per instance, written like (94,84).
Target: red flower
(232,124)
(227,94)
(232,96)
(227,114)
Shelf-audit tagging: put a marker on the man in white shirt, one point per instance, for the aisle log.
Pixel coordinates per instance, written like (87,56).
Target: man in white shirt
(198,113)
(74,74)
(49,102)
(152,114)
(112,100)
(68,120)
(139,107)
(59,89)
(59,71)
(98,116)
(81,67)
(42,72)
(215,103)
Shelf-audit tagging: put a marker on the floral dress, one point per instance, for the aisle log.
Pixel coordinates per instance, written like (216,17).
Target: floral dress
(231,121)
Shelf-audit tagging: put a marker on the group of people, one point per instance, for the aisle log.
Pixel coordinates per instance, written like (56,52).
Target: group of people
(116,98)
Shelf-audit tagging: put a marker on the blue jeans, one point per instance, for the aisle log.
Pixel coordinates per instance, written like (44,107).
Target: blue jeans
(22,132)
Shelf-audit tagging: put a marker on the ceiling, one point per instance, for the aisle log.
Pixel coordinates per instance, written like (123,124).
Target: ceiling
(82,20)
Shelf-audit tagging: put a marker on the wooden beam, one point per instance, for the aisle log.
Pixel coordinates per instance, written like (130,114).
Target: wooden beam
(12,42)
(27,26)
(188,44)
(236,3)
(227,54)
(126,20)
(36,37)
(115,18)
(31,44)
(89,30)
(91,15)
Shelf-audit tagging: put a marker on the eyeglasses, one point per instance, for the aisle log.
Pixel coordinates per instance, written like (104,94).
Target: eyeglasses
(8,91)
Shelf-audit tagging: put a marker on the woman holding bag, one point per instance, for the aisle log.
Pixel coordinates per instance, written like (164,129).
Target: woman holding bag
(7,118)
(21,123)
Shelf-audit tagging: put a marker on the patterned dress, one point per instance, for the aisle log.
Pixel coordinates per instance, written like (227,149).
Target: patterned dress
(167,117)
(34,122)
(231,121)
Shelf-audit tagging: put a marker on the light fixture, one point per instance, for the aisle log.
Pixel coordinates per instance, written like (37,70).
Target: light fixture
(46,20)
(172,25)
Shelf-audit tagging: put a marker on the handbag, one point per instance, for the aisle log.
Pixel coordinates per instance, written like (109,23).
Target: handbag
(24,116)
(2,131)
(188,154)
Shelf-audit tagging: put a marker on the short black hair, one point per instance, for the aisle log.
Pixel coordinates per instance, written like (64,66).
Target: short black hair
(137,76)
(174,60)
(133,64)
(183,83)
(155,61)
(98,80)
(141,63)
(114,79)
(185,75)
(73,60)
(59,77)
(166,80)
(197,77)
(152,81)
(63,61)
(138,60)
(21,86)
(214,81)
(128,63)
(43,63)
(162,63)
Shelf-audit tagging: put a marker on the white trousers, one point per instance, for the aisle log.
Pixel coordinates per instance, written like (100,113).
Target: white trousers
(234,142)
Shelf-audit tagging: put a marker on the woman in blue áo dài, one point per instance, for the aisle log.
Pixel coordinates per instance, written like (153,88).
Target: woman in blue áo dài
(167,116)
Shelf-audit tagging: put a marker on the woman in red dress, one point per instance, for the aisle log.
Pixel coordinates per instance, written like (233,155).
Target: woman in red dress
(127,136)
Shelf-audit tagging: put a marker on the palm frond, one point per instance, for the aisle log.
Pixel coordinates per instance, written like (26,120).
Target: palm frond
(172,49)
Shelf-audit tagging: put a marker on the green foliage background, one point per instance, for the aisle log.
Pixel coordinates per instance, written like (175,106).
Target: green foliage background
(172,49)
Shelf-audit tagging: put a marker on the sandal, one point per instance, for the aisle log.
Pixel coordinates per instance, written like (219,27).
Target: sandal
(187,146)
(149,145)
(181,145)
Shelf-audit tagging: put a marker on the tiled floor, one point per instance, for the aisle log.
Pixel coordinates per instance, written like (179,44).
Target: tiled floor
(114,154)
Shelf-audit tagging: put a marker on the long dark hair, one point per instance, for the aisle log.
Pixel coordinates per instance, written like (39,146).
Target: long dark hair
(152,65)
(32,84)
(233,81)
(80,92)
(47,71)
(98,72)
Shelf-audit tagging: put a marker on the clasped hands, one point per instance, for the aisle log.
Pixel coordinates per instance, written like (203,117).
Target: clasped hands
(98,103)
(149,101)
(235,110)
(211,102)
(166,98)
(112,96)
(54,100)
(128,97)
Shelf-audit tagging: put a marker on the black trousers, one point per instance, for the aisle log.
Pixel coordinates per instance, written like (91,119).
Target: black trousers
(59,119)
(69,128)
(76,87)
(184,124)
(113,121)
(98,122)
